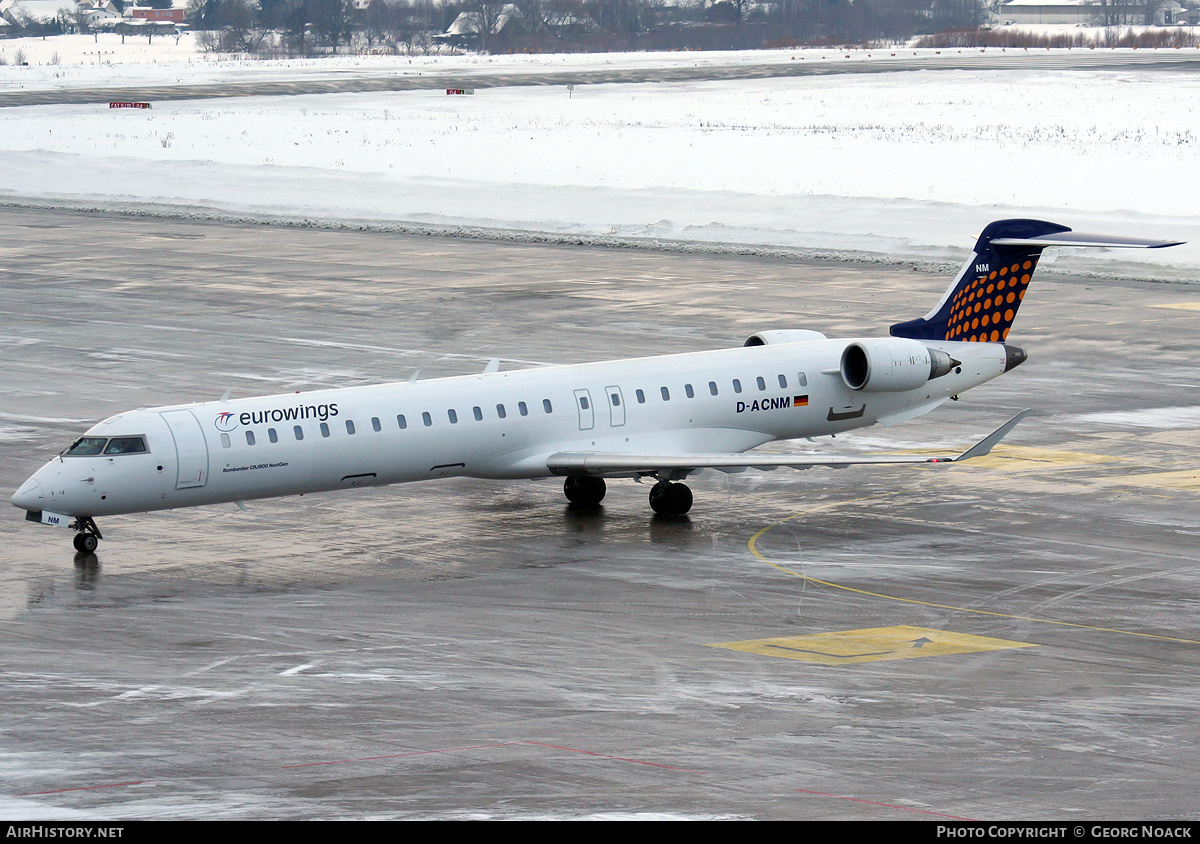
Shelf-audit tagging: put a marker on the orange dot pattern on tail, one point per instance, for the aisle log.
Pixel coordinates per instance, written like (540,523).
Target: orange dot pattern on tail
(983,311)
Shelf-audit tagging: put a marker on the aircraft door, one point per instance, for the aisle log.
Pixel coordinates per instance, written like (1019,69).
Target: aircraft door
(587,413)
(191,451)
(616,406)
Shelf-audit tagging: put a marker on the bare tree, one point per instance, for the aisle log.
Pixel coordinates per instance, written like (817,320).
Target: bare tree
(1116,12)
(330,20)
(488,14)
(1151,9)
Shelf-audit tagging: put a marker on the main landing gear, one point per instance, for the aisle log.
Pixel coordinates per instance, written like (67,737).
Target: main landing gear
(87,540)
(670,499)
(667,498)
(584,490)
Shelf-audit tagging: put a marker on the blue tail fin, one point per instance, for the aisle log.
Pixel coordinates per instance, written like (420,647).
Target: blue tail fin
(982,303)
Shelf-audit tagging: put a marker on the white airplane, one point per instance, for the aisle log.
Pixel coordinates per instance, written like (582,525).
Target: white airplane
(660,417)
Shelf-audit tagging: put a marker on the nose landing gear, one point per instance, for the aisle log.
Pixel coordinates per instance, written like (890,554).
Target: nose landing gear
(88,537)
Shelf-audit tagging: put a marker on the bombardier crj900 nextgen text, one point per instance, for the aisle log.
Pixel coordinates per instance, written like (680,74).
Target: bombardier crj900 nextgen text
(660,417)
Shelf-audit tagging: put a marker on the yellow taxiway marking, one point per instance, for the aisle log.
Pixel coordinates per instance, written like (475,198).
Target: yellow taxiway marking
(1188,479)
(753,545)
(1024,458)
(848,647)
(1020,458)
(1180,306)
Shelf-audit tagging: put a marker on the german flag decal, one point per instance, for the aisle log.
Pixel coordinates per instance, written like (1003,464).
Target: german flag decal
(800,401)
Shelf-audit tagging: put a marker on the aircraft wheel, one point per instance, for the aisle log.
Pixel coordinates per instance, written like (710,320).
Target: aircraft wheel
(584,490)
(86,542)
(668,499)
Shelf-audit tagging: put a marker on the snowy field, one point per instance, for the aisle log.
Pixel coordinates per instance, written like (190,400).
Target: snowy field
(905,165)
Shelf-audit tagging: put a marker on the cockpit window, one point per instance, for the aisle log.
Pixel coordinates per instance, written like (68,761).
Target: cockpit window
(126,445)
(85,446)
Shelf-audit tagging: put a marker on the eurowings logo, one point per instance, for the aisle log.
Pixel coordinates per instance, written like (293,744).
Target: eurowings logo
(225,421)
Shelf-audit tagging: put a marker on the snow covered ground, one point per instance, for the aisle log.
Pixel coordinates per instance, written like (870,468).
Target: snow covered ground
(906,165)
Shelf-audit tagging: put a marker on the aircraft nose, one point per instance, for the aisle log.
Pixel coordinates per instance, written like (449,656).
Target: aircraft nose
(29,496)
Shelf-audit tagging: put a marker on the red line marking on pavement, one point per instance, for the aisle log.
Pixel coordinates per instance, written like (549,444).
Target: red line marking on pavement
(399,755)
(885,805)
(617,758)
(82,788)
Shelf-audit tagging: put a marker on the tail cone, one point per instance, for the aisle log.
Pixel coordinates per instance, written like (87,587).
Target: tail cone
(1014,356)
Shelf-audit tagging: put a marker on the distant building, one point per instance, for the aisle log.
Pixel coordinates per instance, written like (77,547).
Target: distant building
(36,11)
(95,13)
(173,15)
(1086,12)
(1040,11)
(1172,13)
(466,28)
(99,13)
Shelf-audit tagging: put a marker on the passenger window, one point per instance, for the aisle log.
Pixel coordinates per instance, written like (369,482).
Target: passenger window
(349,427)
(523,408)
(546,406)
(426,418)
(782,381)
(737,385)
(453,416)
(712,387)
(478,411)
(375,426)
(401,421)
(225,440)
(666,394)
(641,397)
(802,378)
(126,445)
(762,382)
(249,438)
(272,435)
(299,432)
(501,412)
(687,388)
(324,429)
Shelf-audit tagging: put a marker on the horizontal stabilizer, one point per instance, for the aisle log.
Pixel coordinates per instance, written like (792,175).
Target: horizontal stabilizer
(1070,238)
(601,463)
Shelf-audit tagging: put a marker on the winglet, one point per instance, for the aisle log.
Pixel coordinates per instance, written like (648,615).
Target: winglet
(985,445)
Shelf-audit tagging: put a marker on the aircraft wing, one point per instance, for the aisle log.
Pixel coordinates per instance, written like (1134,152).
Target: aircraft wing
(601,463)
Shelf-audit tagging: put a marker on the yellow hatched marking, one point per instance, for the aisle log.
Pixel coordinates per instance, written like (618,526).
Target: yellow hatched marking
(1188,479)
(1181,306)
(848,647)
(753,546)
(1022,458)
(1019,458)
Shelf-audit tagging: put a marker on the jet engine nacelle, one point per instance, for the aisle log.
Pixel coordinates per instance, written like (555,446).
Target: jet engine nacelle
(794,335)
(893,364)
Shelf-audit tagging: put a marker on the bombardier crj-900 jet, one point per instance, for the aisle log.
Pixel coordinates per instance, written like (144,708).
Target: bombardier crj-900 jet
(659,417)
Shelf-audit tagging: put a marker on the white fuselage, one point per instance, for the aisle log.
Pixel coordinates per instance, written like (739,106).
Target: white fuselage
(493,425)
